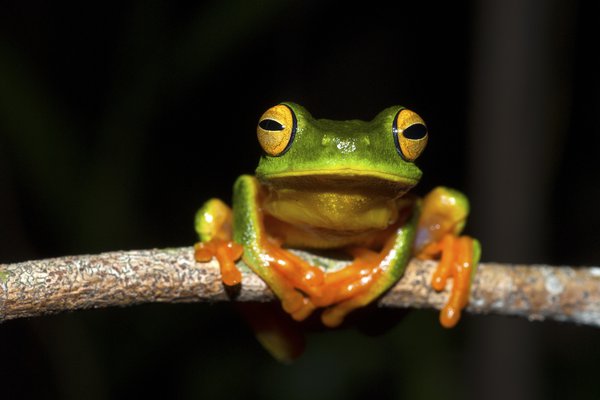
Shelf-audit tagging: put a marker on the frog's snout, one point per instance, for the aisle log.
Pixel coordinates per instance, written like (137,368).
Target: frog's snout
(343,144)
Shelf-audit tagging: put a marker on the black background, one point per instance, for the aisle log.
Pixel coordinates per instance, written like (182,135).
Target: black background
(118,120)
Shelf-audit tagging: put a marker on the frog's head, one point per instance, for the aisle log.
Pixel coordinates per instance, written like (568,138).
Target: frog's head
(319,154)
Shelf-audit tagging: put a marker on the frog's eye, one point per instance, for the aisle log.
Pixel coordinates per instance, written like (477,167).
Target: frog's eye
(410,134)
(276,130)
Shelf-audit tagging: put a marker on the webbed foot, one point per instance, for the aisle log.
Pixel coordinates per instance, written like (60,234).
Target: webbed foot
(294,280)
(227,253)
(459,257)
(358,284)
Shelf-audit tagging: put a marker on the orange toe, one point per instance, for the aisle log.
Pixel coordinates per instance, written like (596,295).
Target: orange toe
(457,263)
(227,253)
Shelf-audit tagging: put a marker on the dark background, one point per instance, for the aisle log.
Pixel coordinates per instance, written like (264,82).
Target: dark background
(118,120)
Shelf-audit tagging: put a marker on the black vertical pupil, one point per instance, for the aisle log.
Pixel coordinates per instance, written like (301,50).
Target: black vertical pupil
(270,125)
(415,132)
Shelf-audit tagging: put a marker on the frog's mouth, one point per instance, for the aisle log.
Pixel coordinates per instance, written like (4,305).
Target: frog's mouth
(341,180)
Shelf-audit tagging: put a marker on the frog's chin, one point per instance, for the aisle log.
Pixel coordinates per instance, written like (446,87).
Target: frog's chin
(344,180)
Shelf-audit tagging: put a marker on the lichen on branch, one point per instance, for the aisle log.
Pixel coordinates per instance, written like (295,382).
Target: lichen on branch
(126,278)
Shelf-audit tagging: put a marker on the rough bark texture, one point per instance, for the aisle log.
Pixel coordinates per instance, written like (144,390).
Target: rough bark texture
(133,277)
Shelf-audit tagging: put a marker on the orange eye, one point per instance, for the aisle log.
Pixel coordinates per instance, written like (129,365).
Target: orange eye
(276,130)
(410,134)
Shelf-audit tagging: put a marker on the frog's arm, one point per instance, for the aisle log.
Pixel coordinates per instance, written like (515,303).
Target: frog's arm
(443,217)
(281,270)
(370,274)
(229,235)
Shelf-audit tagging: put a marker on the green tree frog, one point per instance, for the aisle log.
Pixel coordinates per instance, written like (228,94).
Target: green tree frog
(326,184)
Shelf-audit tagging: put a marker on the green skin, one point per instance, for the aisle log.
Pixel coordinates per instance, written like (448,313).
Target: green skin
(360,155)
(327,145)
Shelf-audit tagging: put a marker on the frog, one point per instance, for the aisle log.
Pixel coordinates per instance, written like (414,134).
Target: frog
(323,184)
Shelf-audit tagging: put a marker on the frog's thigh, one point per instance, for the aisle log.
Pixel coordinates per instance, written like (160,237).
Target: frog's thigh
(213,224)
(214,221)
(444,210)
(393,266)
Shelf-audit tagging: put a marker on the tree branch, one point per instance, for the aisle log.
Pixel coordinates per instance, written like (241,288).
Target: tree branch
(126,278)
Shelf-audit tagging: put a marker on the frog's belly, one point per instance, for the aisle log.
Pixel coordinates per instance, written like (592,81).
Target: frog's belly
(328,219)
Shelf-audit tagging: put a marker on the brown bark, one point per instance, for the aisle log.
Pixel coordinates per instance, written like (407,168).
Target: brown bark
(133,277)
